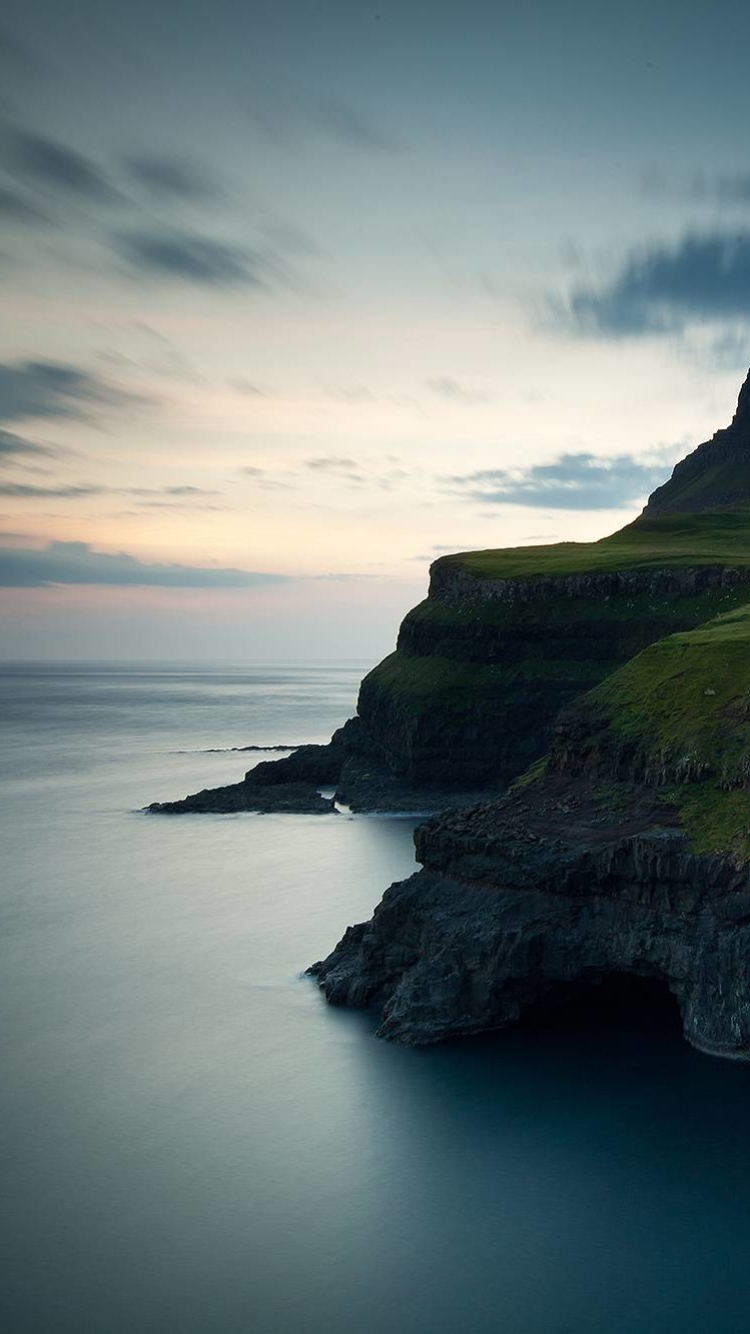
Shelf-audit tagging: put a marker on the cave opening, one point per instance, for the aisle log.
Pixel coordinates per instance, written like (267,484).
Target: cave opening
(612,1001)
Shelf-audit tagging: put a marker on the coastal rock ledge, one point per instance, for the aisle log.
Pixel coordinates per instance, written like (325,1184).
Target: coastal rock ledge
(625,851)
(447,955)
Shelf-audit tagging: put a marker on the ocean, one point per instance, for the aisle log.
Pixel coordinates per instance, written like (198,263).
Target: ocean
(193,1141)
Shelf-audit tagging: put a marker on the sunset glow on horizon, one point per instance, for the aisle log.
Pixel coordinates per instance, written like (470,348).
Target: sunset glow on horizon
(288,313)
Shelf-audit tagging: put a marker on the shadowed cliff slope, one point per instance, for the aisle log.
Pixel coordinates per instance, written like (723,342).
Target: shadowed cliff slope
(624,851)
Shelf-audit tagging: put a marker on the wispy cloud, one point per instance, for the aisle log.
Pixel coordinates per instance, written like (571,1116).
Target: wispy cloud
(570,482)
(15,207)
(338,470)
(446,387)
(344,122)
(28,491)
(286,118)
(44,161)
(14,448)
(145,495)
(172,176)
(37,389)
(194,259)
(78,563)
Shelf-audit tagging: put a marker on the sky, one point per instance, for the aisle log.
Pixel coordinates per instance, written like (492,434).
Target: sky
(297,298)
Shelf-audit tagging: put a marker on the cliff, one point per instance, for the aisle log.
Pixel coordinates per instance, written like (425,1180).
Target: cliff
(506,639)
(625,851)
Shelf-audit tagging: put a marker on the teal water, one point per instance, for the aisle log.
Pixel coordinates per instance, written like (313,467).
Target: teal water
(193,1141)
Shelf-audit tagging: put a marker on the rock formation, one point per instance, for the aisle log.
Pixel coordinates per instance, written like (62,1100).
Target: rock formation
(506,639)
(626,849)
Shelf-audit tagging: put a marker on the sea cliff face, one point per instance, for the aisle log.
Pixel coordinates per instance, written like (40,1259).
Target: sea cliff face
(626,851)
(484,666)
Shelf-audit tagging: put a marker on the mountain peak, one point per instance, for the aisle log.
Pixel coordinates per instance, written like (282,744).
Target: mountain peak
(716,476)
(741,418)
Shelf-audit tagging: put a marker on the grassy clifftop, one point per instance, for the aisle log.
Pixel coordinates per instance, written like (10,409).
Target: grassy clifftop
(677,718)
(669,540)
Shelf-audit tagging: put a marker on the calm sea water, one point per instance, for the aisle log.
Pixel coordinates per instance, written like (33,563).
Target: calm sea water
(193,1141)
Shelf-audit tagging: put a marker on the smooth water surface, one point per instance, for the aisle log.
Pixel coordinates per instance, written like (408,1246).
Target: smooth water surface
(193,1141)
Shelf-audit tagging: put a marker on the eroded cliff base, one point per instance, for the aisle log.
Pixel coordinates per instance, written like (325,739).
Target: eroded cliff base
(517,903)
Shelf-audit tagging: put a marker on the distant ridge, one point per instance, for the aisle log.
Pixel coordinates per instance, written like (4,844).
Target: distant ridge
(716,476)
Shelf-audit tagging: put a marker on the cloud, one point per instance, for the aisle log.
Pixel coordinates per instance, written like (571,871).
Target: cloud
(195,259)
(331,463)
(47,162)
(334,471)
(286,119)
(15,208)
(448,388)
(30,491)
(27,491)
(30,389)
(571,481)
(343,122)
(175,177)
(13,447)
(663,288)
(242,385)
(78,563)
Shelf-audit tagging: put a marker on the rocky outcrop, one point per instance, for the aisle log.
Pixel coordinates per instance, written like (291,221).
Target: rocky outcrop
(627,851)
(716,476)
(445,956)
(519,899)
(288,798)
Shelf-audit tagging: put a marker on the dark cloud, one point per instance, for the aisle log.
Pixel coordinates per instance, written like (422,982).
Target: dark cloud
(77,563)
(570,482)
(664,288)
(449,388)
(195,259)
(49,163)
(30,491)
(13,447)
(56,389)
(27,491)
(734,187)
(15,208)
(172,177)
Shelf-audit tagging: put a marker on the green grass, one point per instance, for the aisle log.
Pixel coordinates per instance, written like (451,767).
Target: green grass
(682,707)
(686,698)
(456,685)
(669,540)
(715,820)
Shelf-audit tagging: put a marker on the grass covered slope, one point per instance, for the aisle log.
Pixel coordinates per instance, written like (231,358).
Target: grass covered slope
(675,718)
(665,541)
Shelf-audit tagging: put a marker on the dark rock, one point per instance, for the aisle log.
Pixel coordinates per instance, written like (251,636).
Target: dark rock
(502,916)
(290,798)
(366,785)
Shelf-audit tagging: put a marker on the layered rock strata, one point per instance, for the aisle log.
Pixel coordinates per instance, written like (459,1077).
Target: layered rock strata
(626,852)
